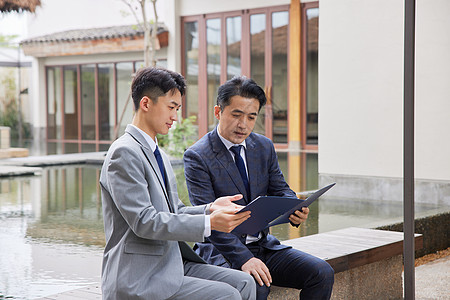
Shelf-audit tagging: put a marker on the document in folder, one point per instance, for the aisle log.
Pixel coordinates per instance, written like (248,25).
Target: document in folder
(268,211)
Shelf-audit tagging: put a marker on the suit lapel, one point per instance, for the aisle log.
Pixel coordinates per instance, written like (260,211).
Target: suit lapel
(137,136)
(252,157)
(170,192)
(224,158)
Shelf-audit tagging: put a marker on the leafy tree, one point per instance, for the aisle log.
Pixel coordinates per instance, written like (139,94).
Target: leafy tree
(7,41)
(150,27)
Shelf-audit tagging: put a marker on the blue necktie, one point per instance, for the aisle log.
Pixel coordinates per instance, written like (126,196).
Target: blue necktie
(241,167)
(160,163)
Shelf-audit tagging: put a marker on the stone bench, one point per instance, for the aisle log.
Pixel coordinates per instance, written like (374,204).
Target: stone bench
(368,263)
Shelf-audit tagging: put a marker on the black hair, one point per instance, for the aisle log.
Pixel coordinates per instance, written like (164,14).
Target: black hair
(155,82)
(240,86)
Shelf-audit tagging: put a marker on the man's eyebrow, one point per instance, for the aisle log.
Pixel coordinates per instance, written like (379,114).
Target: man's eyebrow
(175,103)
(238,111)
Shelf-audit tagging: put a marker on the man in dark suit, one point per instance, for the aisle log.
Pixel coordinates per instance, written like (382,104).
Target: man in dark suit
(146,224)
(231,159)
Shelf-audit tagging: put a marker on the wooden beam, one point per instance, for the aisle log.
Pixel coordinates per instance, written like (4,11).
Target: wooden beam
(294,79)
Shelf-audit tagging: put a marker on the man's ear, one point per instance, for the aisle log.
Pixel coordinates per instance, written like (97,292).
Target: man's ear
(144,104)
(217,112)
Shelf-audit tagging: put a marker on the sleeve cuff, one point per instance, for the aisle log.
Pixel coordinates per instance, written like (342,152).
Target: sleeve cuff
(207,209)
(207,232)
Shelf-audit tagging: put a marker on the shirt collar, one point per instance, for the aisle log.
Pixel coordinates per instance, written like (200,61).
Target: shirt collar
(229,144)
(148,139)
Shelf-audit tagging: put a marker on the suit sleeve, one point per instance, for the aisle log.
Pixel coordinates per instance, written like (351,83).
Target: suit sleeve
(129,189)
(201,191)
(277,184)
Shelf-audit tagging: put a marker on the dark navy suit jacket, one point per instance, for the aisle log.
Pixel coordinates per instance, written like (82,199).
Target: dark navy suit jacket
(211,173)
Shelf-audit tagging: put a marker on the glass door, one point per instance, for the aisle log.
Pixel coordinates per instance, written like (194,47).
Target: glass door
(251,43)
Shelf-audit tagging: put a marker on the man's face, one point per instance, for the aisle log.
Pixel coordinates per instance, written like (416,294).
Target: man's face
(161,115)
(238,119)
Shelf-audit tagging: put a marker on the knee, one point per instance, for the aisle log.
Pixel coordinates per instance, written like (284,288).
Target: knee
(325,274)
(236,295)
(247,286)
(224,291)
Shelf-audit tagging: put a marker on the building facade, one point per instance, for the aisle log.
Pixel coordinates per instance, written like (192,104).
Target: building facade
(333,86)
(80,71)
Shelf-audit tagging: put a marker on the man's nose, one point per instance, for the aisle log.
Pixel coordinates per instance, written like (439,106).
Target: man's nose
(175,116)
(242,123)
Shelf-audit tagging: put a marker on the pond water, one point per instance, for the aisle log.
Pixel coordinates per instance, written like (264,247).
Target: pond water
(51,226)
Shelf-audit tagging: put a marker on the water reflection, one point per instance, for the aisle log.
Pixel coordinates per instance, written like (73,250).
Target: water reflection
(51,232)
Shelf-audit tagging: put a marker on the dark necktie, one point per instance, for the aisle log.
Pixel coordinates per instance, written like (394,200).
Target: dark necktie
(160,163)
(241,167)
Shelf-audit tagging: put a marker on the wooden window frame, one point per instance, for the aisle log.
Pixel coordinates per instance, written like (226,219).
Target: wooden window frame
(245,58)
(305,146)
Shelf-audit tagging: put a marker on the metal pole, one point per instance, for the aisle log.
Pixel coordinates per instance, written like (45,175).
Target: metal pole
(408,150)
(19,97)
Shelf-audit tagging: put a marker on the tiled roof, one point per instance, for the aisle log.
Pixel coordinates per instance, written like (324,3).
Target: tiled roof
(91,34)
(19,5)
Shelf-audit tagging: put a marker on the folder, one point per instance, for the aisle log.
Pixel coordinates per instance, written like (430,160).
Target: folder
(268,211)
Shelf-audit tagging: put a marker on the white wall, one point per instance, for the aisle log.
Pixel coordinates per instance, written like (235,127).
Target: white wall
(196,7)
(433,90)
(361,88)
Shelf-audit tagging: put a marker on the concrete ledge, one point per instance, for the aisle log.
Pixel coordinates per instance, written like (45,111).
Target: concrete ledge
(57,159)
(385,189)
(6,171)
(435,230)
(13,152)
(367,262)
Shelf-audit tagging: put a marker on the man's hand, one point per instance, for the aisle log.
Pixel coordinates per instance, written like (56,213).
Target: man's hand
(255,267)
(226,203)
(223,214)
(226,220)
(298,217)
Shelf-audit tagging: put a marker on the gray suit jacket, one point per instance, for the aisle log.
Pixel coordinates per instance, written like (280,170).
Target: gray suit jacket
(142,258)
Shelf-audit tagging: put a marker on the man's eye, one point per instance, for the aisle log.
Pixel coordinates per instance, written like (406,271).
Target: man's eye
(171,107)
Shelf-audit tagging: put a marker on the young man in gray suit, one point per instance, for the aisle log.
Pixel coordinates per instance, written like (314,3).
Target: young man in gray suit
(232,159)
(145,222)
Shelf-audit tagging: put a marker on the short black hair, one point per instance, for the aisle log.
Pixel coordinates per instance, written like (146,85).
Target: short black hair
(240,86)
(155,82)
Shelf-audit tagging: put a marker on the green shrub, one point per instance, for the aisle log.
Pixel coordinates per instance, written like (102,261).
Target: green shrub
(10,117)
(180,137)
(9,112)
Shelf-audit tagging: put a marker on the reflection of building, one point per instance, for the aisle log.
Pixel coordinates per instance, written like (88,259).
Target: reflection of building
(352,62)
(62,204)
(51,232)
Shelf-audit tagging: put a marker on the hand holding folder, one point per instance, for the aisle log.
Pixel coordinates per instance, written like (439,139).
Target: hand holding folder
(268,211)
